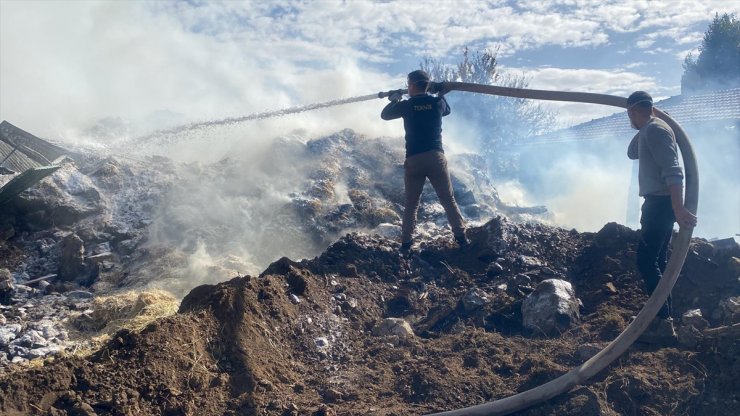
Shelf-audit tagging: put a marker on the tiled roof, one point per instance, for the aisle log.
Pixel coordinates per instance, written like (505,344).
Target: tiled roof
(686,110)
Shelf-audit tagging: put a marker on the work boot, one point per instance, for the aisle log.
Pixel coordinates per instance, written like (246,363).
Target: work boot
(462,241)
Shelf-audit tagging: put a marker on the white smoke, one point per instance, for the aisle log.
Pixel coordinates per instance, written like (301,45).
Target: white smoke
(91,63)
(587,184)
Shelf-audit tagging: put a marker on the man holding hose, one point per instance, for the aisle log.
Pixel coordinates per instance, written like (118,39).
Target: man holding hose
(661,184)
(422,119)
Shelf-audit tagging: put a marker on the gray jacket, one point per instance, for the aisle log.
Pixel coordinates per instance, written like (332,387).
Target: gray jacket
(655,147)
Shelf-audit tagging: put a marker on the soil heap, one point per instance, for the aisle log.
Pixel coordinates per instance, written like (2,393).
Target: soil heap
(305,338)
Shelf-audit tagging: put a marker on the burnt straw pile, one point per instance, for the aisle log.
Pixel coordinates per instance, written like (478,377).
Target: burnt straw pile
(73,247)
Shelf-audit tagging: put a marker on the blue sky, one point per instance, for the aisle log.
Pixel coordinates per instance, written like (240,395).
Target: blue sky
(66,64)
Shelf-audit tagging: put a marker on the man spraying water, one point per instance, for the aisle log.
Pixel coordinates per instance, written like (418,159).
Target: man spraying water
(422,119)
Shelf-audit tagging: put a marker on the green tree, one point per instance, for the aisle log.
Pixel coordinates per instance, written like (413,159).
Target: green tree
(718,63)
(498,121)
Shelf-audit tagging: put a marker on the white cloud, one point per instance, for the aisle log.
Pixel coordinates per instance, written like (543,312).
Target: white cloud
(612,82)
(66,64)
(654,51)
(672,19)
(616,82)
(634,65)
(683,54)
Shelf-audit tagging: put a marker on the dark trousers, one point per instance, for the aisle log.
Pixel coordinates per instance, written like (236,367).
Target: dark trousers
(652,253)
(418,168)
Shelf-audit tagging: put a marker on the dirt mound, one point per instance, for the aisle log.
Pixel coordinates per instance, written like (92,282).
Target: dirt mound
(302,338)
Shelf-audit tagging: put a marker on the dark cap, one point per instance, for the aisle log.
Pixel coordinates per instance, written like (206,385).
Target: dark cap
(640,97)
(418,76)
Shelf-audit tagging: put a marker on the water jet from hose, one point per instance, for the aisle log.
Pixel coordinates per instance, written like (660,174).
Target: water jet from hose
(256,116)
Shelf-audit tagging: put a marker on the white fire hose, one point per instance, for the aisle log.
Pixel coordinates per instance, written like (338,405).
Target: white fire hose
(680,247)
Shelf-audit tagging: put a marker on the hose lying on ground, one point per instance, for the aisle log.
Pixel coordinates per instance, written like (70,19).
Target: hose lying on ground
(620,344)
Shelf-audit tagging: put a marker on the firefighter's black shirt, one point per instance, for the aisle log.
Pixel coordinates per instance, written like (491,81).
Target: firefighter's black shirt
(422,120)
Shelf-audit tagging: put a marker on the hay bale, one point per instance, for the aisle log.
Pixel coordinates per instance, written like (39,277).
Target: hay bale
(130,310)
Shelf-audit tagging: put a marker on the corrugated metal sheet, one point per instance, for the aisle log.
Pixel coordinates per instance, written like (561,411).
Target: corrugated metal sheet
(24,181)
(23,152)
(14,159)
(35,148)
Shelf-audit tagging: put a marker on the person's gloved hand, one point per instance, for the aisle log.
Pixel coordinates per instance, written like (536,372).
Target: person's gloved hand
(395,96)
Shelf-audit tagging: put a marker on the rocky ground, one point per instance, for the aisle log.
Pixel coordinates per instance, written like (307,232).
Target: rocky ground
(357,330)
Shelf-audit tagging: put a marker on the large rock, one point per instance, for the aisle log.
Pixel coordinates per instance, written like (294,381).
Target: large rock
(393,326)
(6,287)
(551,309)
(694,318)
(588,350)
(72,259)
(63,198)
(494,269)
(733,263)
(463,194)
(725,245)
(661,331)
(6,232)
(474,299)
(728,310)
(8,333)
(389,231)
(612,235)
(688,336)
(499,239)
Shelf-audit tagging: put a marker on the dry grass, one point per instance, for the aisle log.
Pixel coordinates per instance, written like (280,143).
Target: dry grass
(132,310)
(110,314)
